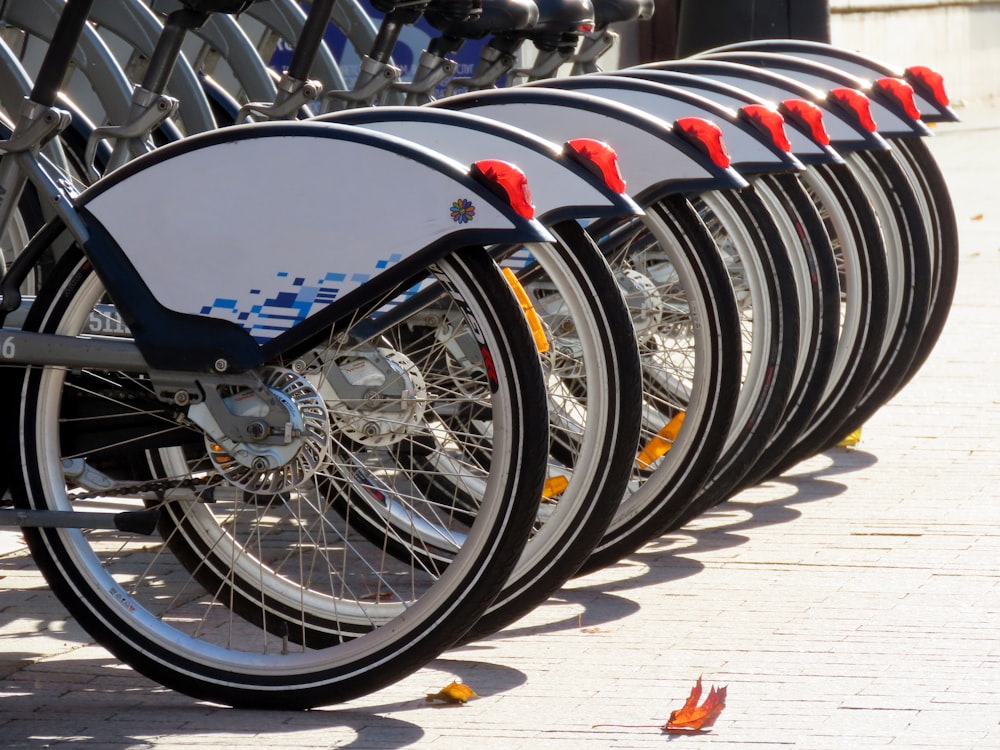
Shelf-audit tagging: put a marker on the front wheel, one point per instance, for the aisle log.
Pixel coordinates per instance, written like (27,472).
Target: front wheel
(257,596)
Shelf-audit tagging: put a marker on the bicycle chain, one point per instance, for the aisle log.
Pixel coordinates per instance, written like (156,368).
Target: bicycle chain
(153,486)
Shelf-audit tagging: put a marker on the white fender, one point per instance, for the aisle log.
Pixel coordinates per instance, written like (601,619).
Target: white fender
(559,186)
(804,147)
(891,122)
(747,146)
(651,156)
(264,225)
(775,87)
(860,65)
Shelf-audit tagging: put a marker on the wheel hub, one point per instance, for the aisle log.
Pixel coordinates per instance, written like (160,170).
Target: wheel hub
(377,419)
(270,468)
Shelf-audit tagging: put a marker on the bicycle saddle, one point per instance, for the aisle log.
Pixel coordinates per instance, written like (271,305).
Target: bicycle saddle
(560,22)
(613,11)
(497,17)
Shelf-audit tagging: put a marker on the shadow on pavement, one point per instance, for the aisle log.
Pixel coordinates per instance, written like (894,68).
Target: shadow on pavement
(668,559)
(98,695)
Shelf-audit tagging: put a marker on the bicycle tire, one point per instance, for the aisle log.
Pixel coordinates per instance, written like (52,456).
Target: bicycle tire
(819,302)
(119,600)
(562,543)
(691,351)
(915,157)
(860,254)
(771,324)
(817,287)
(910,276)
(594,388)
(594,358)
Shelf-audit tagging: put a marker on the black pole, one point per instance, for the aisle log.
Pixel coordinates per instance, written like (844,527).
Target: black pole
(704,24)
(307,45)
(59,54)
(168,47)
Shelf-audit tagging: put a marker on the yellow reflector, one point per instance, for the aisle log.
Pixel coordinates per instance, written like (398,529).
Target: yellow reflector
(534,322)
(659,445)
(851,440)
(554,486)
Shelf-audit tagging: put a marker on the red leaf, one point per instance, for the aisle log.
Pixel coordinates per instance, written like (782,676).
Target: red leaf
(692,716)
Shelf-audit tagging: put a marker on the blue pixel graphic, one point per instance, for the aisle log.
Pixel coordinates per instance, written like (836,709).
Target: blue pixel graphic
(266,314)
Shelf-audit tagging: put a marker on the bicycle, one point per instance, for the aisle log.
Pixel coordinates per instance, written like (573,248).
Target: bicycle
(243,416)
(906,249)
(756,419)
(587,339)
(924,195)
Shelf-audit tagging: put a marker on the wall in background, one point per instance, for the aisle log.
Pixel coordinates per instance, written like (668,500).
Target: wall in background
(961,39)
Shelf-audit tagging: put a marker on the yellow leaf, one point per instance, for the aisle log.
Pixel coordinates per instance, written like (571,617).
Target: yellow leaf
(456,692)
(977,217)
(851,440)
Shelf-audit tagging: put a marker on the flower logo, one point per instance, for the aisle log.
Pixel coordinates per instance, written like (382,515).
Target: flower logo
(462,211)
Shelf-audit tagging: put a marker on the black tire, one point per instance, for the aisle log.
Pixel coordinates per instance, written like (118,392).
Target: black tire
(320,631)
(916,159)
(593,367)
(860,254)
(818,286)
(688,328)
(910,276)
(594,389)
(766,285)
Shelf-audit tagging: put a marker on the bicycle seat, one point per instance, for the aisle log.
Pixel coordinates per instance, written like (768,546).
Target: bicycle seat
(560,22)
(498,17)
(613,11)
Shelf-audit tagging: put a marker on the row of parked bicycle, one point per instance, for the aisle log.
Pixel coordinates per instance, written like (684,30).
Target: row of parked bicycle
(309,390)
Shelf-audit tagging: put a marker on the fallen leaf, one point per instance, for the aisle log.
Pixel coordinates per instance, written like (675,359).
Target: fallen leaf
(591,631)
(977,217)
(691,716)
(456,692)
(851,440)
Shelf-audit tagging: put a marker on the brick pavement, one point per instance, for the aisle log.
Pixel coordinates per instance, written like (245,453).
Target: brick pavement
(855,603)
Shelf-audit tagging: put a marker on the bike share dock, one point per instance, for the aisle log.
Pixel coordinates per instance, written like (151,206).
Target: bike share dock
(855,603)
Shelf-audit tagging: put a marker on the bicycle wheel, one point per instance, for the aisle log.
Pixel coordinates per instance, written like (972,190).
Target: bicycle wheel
(591,363)
(813,269)
(860,255)
(910,276)
(686,320)
(818,286)
(594,384)
(282,605)
(762,274)
(915,158)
